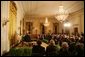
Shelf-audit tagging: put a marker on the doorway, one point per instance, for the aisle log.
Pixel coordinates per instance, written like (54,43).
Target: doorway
(42,28)
(29,26)
(55,28)
(76,30)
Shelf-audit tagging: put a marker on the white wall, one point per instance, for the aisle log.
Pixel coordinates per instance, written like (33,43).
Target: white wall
(4,30)
(5,45)
(77,18)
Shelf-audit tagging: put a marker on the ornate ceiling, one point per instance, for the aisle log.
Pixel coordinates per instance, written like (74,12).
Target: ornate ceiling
(49,8)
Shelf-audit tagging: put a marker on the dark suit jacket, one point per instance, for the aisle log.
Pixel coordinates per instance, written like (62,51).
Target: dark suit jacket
(38,50)
(51,51)
(27,38)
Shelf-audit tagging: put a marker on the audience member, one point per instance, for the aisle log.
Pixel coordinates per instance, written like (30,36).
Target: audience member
(64,51)
(38,50)
(51,49)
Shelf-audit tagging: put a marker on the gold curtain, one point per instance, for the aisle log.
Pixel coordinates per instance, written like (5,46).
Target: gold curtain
(12,22)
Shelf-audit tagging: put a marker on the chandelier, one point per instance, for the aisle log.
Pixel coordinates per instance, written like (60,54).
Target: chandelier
(61,14)
(46,22)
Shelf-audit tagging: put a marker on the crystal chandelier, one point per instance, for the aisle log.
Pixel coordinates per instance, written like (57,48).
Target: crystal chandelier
(61,14)
(46,22)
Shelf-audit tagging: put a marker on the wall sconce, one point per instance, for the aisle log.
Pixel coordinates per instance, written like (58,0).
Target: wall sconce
(4,22)
(67,24)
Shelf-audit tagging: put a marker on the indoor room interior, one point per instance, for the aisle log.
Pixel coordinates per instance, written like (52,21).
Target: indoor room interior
(25,24)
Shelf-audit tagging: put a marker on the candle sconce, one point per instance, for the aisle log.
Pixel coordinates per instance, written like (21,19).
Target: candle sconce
(4,22)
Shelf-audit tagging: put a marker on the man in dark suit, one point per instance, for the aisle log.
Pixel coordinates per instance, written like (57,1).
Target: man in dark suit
(38,50)
(27,38)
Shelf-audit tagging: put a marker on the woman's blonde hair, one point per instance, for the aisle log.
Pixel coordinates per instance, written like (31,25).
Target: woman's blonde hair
(52,42)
